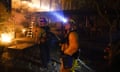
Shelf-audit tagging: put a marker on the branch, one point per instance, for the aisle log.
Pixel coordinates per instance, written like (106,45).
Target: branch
(104,16)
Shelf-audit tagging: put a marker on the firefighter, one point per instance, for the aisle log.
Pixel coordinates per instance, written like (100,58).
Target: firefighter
(69,47)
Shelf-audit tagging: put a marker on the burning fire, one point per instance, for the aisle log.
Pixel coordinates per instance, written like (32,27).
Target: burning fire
(7,37)
(35,5)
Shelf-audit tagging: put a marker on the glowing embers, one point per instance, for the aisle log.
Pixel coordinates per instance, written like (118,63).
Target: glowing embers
(7,37)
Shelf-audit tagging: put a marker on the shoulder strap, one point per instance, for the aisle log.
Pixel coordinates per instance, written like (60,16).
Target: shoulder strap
(41,34)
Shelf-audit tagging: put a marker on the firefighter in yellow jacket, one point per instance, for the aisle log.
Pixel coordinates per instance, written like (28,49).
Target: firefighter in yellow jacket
(69,48)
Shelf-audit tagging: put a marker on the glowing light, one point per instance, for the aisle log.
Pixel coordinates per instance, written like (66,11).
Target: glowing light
(6,37)
(23,30)
(65,20)
(60,17)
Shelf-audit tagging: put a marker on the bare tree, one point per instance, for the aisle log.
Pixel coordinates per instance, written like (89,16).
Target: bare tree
(108,10)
